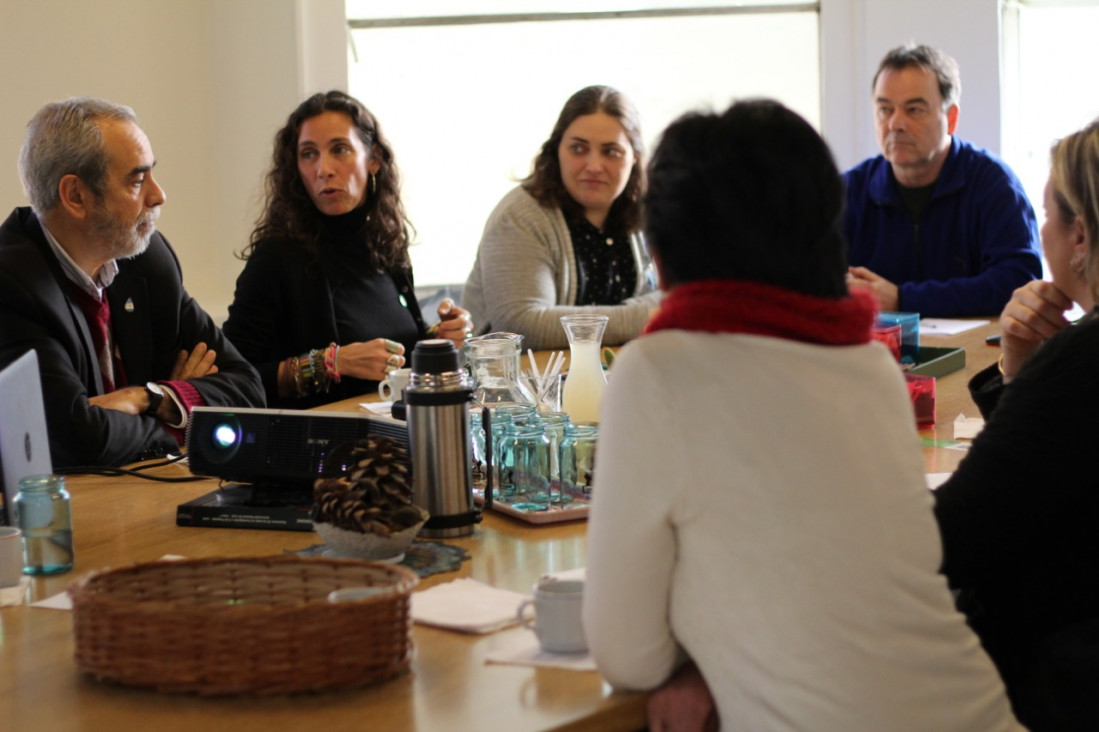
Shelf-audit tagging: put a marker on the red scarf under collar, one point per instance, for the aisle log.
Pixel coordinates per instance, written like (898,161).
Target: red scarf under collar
(733,306)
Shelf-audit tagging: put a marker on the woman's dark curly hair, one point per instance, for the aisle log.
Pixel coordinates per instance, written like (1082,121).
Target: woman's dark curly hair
(289,212)
(544,181)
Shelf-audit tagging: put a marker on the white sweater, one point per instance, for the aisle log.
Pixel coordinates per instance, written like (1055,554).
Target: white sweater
(759,504)
(525,277)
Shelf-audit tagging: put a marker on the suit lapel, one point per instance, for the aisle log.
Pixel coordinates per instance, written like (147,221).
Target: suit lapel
(33,229)
(86,343)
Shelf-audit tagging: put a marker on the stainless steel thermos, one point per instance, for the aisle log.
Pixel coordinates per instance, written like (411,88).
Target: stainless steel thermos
(437,407)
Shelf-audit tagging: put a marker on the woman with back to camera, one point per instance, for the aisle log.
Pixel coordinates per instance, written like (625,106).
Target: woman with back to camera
(567,240)
(1019,517)
(325,306)
(783,540)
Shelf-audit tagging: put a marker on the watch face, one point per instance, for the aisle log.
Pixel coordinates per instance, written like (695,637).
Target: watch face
(156,396)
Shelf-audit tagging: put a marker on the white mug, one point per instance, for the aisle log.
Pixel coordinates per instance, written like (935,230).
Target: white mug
(557,615)
(11,556)
(392,386)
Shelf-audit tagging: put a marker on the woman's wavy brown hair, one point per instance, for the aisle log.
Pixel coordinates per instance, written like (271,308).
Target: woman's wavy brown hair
(289,212)
(544,181)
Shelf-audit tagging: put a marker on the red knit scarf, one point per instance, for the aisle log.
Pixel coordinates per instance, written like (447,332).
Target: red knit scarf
(732,306)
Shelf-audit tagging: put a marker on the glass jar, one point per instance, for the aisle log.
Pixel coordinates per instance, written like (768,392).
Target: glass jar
(45,517)
(578,460)
(553,425)
(502,416)
(478,456)
(524,463)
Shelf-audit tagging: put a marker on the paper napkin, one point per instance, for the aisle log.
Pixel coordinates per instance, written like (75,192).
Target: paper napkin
(466,605)
(14,595)
(966,428)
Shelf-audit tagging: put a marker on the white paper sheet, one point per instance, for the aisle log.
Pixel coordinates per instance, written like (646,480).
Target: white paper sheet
(948,326)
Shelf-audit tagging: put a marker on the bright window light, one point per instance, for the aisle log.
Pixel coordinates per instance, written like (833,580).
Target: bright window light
(467,106)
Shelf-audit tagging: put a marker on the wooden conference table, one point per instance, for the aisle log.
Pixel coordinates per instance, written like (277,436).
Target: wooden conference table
(450,687)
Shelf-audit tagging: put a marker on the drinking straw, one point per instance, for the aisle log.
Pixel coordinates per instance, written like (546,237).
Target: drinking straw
(534,372)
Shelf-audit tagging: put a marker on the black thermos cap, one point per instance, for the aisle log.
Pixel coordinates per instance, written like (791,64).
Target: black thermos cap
(435,356)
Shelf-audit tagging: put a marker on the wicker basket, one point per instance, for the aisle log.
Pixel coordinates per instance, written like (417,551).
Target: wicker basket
(255,626)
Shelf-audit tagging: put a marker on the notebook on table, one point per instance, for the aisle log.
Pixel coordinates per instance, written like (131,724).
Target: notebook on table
(24,442)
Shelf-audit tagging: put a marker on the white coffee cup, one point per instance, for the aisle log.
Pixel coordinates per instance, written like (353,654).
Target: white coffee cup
(392,386)
(557,615)
(11,556)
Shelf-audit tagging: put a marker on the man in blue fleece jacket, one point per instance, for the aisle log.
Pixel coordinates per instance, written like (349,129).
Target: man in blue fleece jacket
(935,225)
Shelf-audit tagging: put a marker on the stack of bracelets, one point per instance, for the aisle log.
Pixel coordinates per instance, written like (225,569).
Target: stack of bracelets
(314,371)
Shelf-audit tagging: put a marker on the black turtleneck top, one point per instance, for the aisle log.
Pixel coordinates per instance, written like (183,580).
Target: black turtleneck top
(289,302)
(367,304)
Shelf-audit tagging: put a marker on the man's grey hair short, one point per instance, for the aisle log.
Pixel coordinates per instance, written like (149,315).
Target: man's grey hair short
(64,138)
(930,59)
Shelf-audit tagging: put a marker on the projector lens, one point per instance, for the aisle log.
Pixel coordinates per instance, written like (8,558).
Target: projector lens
(225,436)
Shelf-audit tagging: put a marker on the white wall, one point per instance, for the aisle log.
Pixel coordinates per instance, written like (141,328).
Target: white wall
(210,81)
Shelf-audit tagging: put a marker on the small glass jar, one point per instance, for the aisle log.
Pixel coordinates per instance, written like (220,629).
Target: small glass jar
(578,460)
(503,416)
(531,465)
(478,457)
(554,424)
(45,517)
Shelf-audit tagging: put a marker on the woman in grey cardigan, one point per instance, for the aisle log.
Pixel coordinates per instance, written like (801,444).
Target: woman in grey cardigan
(568,239)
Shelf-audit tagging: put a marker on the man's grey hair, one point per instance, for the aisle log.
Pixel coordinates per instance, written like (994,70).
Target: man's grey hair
(930,59)
(64,138)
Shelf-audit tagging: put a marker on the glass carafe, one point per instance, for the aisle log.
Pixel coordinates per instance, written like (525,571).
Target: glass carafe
(494,362)
(585,381)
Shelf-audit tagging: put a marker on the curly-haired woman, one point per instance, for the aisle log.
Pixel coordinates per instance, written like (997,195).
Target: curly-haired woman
(325,306)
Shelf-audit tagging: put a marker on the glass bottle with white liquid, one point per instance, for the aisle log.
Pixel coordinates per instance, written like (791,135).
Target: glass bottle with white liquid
(585,381)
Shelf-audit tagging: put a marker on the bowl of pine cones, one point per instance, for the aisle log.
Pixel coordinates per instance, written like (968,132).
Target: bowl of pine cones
(363,507)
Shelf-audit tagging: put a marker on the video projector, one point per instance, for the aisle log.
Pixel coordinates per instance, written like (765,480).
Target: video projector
(276,447)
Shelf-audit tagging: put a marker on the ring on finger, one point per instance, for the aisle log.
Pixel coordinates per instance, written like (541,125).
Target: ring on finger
(394,360)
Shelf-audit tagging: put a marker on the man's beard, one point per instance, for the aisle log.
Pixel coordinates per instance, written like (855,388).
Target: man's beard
(123,240)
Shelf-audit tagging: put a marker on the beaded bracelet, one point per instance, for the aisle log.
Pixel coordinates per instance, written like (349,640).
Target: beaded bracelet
(320,383)
(295,374)
(330,355)
(309,372)
(312,371)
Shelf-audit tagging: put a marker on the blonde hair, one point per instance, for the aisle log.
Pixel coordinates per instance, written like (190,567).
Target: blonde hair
(1074,175)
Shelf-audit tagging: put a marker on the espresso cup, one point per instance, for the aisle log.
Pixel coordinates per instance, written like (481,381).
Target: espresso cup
(11,556)
(392,386)
(556,615)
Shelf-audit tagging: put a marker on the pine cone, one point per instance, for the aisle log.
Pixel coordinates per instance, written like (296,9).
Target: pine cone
(371,490)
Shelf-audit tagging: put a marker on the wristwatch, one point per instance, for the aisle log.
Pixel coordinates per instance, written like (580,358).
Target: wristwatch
(156,396)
